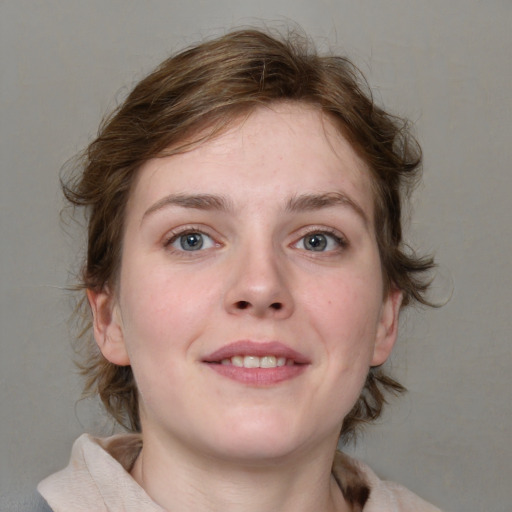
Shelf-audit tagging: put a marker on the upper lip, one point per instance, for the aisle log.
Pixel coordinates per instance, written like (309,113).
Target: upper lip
(254,348)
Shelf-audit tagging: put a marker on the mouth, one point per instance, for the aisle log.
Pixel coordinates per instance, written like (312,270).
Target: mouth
(252,354)
(252,361)
(257,363)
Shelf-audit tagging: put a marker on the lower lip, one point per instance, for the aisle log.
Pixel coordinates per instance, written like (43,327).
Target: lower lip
(258,376)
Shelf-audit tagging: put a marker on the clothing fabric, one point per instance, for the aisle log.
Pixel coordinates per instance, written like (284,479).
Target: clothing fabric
(97,479)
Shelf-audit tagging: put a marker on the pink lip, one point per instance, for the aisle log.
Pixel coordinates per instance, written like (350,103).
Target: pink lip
(260,349)
(259,377)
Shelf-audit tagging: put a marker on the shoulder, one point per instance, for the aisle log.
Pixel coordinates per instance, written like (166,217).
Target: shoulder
(97,478)
(372,493)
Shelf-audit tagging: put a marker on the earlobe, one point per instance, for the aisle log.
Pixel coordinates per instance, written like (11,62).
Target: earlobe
(107,327)
(387,330)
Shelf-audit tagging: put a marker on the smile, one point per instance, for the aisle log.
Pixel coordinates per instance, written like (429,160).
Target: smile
(259,364)
(256,354)
(268,361)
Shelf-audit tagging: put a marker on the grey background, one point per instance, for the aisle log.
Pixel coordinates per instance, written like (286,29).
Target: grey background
(445,64)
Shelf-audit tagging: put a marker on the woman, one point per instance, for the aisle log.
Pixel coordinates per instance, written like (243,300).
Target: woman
(245,273)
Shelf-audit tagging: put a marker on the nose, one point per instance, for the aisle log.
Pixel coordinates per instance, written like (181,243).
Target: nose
(258,285)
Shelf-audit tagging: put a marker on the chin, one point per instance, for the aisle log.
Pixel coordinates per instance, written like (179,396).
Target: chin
(256,452)
(260,441)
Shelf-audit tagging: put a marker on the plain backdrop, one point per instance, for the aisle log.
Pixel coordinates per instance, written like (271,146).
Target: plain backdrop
(446,64)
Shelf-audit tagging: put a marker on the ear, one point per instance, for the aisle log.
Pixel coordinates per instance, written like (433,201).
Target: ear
(387,330)
(107,326)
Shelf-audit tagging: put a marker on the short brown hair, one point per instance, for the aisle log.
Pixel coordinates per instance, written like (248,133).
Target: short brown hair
(206,87)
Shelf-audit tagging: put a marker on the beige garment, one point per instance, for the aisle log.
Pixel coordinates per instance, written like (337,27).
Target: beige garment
(97,479)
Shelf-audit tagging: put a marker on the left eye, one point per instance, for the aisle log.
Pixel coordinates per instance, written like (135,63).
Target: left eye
(319,242)
(192,241)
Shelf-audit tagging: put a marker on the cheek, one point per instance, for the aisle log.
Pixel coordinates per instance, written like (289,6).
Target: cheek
(347,318)
(164,312)
(346,323)
(158,324)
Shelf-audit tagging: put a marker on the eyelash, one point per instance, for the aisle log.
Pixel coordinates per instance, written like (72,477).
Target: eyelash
(339,239)
(174,236)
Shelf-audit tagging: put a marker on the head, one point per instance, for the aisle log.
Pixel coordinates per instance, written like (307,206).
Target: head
(198,95)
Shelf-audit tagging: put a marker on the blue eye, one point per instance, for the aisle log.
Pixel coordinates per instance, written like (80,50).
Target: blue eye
(191,241)
(320,242)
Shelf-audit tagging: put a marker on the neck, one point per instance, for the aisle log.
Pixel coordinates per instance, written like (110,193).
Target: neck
(298,482)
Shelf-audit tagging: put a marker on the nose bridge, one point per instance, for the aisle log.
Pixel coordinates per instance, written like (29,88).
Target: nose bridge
(259,284)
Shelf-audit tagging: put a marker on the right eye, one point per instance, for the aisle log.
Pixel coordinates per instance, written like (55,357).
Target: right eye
(191,241)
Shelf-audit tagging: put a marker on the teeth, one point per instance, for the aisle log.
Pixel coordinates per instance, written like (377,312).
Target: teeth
(257,362)
(268,362)
(251,362)
(237,361)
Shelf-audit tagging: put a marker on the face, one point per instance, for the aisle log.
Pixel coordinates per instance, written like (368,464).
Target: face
(250,303)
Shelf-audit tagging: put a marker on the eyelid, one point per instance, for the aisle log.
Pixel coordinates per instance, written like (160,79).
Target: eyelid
(339,237)
(175,233)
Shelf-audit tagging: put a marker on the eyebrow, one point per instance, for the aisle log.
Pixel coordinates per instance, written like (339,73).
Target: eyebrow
(195,201)
(299,203)
(311,202)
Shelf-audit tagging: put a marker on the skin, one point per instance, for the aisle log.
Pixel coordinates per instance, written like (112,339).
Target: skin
(252,445)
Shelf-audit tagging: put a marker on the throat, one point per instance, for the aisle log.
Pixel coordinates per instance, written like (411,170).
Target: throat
(237,489)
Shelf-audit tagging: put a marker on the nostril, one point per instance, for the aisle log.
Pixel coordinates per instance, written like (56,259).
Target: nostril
(243,304)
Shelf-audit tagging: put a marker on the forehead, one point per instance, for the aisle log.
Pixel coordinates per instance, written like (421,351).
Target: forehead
(281,149)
